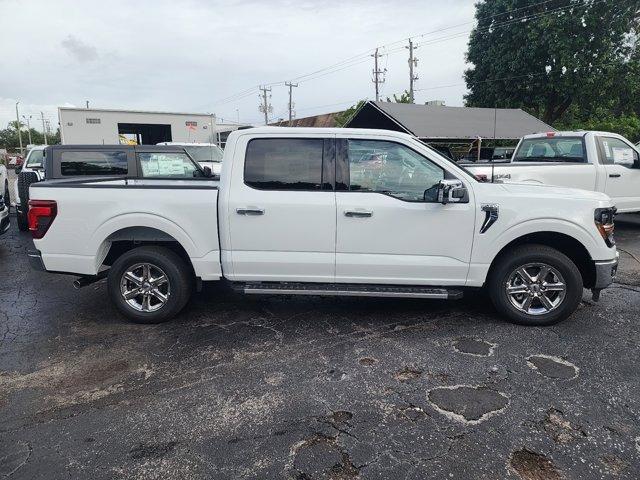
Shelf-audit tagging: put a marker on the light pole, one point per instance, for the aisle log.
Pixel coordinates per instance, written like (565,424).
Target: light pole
(28,127)
(18,126)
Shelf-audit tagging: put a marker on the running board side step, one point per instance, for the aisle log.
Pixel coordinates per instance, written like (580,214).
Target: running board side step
(347,290)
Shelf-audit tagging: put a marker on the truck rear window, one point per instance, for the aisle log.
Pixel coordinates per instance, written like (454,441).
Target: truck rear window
(284,163)
(551,149)
(93,163)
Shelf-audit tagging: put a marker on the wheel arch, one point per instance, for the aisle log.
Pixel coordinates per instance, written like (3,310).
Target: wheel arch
(566,244)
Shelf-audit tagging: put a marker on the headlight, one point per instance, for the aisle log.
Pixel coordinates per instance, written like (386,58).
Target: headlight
(604,223)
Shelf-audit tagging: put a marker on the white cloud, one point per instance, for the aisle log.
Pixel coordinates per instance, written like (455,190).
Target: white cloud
(184,55)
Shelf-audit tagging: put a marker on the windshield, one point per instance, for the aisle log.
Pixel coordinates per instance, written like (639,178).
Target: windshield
(205,153)
(551,149)
(34,160)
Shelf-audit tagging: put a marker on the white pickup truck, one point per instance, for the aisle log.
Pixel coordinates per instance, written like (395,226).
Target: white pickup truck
(315,211)
(598,161)
(5,199)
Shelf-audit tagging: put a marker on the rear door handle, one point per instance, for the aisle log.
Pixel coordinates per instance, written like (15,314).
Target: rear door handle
(615,175)
(250,211)
(358,213)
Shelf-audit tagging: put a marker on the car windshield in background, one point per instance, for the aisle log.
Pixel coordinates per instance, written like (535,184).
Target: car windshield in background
(35,159)
(205,153)
(551,149)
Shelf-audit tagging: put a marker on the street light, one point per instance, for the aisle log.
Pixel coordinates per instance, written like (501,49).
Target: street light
(28,127)
(18,127)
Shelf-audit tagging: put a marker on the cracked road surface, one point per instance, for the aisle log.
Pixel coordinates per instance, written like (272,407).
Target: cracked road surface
(314,388)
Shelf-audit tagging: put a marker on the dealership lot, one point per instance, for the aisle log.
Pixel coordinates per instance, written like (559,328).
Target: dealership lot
(274,387)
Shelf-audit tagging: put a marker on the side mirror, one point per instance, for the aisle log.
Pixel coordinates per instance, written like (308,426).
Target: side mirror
(18,169)
(452,191)
(207,172)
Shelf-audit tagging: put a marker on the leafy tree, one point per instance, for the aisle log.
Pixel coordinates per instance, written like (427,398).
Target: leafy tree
(9,137)
(546,58)
(343,117)
(403,98)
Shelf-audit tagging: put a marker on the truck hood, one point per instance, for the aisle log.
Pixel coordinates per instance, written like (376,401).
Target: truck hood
(550,191)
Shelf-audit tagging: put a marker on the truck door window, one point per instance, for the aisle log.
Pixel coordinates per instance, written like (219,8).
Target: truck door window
(551,149)
(74,162)
(284,163)
(392,169)
(167,165)
(613,151)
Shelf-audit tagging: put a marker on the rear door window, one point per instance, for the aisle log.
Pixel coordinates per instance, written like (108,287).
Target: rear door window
(167,165)
(74,163)
(284,163)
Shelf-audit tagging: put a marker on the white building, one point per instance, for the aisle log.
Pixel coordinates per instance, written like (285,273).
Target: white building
(106,126)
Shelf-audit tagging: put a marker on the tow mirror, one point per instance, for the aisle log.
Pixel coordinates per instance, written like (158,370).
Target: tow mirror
(452,191)
(18,169)
(207,172)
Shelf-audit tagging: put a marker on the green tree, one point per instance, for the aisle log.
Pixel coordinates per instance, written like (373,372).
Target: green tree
(343,117)
(547,57)
(403,98)
(9,137)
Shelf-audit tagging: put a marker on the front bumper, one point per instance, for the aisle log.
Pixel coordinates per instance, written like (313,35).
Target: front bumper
(35,259)
(605,272)
(4,220)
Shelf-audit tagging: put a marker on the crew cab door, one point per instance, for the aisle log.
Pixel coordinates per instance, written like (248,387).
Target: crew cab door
(386,232)
(621,163)
(282,209)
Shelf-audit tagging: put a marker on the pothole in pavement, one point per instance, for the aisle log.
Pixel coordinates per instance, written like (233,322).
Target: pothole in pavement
(13,457)
(472,346)
(407,373)
(321,457)
(552,367)
(467,403)
(151,450)
(367,361)
(530,465)
(561,429)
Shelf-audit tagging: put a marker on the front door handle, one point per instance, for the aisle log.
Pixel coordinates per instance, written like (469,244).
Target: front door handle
(250,211)
(615,175)
(358,213)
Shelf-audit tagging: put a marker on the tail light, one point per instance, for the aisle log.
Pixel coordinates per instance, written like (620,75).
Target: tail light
(41,215)
(605,225)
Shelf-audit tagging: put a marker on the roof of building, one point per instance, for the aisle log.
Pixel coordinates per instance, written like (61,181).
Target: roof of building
(434,121)
(323,120)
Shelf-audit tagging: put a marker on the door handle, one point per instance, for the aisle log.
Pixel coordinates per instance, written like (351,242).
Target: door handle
(615,175)
(358,213)
(250,211)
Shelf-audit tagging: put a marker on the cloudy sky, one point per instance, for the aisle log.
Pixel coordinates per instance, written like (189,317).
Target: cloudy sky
(210,56)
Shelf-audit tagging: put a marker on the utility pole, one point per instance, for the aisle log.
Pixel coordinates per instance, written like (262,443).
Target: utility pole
(44,128)
(265,107)
(87,103)
(28,126)
(18,126)
(378,75)
(413,62)
(290,85)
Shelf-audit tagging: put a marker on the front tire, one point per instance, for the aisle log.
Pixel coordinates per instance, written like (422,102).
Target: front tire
(150,284)
(535,285)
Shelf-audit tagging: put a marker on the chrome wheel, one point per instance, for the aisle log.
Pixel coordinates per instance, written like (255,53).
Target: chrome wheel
(536,288)
(145,287)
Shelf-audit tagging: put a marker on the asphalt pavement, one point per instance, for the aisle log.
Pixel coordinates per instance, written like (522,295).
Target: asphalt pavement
(314,388)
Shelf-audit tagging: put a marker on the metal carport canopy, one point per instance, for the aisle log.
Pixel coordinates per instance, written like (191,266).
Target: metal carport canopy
(440,122)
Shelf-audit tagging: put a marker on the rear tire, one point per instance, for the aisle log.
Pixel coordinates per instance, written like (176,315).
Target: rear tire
(548,284)
(156,282)
(24,180)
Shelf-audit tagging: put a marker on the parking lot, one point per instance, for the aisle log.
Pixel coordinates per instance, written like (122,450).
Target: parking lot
(286,387)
